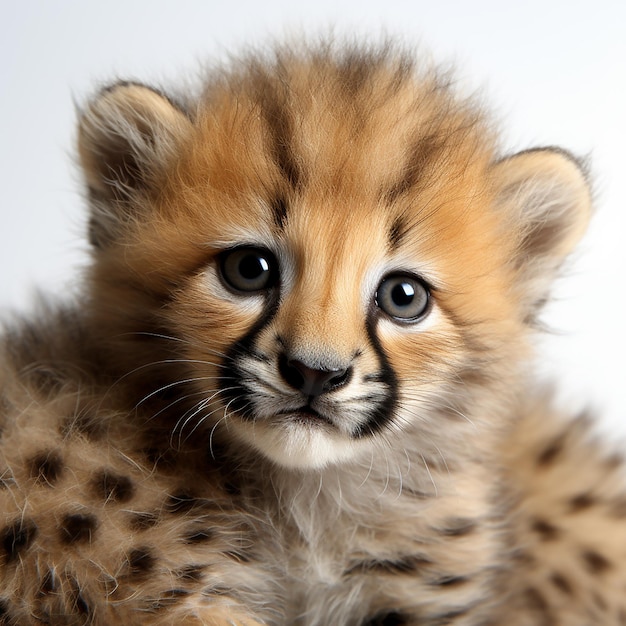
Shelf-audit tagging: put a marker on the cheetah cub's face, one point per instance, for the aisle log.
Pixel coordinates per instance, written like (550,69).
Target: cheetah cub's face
(332,247)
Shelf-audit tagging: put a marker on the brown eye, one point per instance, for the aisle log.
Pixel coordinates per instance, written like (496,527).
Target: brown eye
(403,297)
(248,269)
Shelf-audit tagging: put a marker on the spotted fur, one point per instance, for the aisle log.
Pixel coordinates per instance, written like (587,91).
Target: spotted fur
(294,389)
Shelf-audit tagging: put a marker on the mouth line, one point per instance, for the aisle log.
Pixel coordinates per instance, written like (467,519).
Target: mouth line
(306,415)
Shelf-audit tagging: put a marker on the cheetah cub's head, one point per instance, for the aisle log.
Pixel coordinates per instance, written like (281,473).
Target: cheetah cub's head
(332,246)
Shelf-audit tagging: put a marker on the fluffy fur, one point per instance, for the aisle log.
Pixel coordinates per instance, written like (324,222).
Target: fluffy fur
(294,390)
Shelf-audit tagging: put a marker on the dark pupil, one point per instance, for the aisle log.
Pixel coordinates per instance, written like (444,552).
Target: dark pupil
(402,294)
(251,267)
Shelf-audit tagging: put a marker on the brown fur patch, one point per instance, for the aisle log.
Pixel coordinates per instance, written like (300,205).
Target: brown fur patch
(112,487)
(78,528)
(595,562)
(16,538)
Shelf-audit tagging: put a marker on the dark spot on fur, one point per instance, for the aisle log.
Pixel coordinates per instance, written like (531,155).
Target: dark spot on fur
(595,562)
(550,453)
(459,527)
(113,487)
(110,584)
(279,210)
(278,116)
(525,557)
(387,619)
(46,467)
(581,502)
(79,604)
(168,599)
(175,594)
(238,555)
(545,530)
(614,461)
(618,508)
(141,561)
(451,581)
(182,502)
(164,460)
(17,538)
(201,535)
(217,590)
(191,573)
(4,607)
(78,528)
(406,565)
(397,232)
(422,154)
(562,583)
(450,617)
(143,520)
(48,584)
(600,602)
(231,489)
(539,605)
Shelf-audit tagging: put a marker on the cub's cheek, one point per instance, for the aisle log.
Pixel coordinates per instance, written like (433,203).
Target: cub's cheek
(211,318)
(410,346)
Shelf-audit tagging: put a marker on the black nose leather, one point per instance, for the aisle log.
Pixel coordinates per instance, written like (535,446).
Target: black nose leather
(311,382)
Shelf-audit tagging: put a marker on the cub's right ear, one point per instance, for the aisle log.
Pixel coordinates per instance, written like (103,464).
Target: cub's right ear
(127,137)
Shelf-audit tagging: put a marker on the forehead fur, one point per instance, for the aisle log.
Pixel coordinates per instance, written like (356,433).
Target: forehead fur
(317,145)
(360,124)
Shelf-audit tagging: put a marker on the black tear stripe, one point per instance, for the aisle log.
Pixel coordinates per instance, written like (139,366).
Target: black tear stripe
(236,396)
(384,411)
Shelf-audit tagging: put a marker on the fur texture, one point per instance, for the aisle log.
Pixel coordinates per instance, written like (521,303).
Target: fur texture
(295,389)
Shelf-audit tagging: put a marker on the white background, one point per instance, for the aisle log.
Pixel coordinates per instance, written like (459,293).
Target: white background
(554,72)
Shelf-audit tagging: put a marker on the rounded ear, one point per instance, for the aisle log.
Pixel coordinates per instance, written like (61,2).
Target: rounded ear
(546,197)
(127,137)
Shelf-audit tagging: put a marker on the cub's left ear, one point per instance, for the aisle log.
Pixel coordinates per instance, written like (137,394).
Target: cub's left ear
(128,136)
(546,197)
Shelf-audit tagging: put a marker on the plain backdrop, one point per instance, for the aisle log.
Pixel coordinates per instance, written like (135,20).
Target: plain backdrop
(553,72)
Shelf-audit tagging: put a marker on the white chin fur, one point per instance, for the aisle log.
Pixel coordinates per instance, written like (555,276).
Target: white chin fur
(299,446)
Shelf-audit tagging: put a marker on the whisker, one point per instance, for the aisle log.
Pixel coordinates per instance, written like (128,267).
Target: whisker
(174,384)
(432,480)
(191,413)
(222,419)
(185,420)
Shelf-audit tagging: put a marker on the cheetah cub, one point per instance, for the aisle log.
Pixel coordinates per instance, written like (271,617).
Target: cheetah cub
(294,389)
